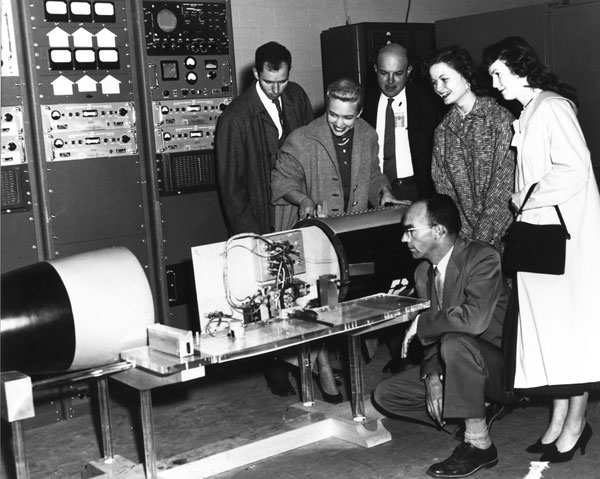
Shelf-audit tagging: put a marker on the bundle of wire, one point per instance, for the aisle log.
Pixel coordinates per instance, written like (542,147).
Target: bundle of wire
(278,255)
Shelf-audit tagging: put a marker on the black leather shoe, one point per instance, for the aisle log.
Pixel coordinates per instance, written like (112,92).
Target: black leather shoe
(333,398)
(553,455)
(465,460)
(538,447)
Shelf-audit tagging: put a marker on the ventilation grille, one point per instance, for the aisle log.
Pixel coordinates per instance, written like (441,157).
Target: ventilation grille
(13,189)
(188,172)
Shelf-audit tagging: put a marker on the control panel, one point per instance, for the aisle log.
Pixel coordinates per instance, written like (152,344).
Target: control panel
(11,139)
(182,125)
(9,63)
(186,28)
(188,49)
(77,131)
(191,81)
(82,51)
(15,189)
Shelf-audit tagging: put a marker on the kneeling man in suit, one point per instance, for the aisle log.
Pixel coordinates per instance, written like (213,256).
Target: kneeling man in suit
(461,332)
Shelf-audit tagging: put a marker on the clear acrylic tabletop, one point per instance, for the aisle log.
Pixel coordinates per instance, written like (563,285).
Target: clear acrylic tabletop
(278,333)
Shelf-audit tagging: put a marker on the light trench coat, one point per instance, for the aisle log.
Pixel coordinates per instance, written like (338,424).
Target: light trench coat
(559,324)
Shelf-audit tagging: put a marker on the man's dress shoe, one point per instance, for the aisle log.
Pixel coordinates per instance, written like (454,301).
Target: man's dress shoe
(464,461)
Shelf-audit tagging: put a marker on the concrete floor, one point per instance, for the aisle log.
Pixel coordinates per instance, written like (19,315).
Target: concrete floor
(232,406)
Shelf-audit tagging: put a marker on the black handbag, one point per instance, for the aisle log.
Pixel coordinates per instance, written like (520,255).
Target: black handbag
(535,248)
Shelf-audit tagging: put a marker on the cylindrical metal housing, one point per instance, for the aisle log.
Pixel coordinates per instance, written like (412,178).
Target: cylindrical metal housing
(75,312)
(369,248)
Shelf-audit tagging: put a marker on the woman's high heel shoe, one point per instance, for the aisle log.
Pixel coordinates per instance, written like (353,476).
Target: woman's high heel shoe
(554,455)
(539,447)
(333,398)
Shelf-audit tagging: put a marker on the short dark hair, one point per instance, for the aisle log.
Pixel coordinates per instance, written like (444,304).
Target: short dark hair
(460,59)
(522,60)
(272,55)
(442,210)
(345,89)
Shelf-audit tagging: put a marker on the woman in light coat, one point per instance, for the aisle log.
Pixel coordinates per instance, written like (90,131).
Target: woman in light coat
(557,349)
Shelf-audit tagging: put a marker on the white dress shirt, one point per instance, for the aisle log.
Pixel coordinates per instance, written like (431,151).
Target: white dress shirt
(271,108)
(404,166)
(443,264)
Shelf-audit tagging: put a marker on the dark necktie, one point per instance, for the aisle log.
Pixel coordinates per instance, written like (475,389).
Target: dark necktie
(389,143)
(439,286)
(284,127)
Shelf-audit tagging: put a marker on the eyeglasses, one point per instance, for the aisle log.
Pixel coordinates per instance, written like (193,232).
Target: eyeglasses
(411,231)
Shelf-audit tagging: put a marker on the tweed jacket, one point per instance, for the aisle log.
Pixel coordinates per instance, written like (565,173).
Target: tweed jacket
(246,148)
(474,303)
(424,115)
(474,163)
(307,163)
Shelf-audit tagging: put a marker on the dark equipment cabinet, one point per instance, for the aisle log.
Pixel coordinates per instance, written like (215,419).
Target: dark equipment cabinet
(351,50)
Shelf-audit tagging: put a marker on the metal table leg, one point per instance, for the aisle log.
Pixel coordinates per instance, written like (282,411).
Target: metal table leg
(356,379)
(18,440)
(306,374)
(105,422)
(148,433)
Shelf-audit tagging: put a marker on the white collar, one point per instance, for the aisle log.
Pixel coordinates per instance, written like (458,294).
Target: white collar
(443,264)
(400,97)
(267,102)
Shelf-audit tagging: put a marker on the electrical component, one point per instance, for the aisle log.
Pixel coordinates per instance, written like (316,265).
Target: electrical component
(167,339)
(286,247)
(276,261)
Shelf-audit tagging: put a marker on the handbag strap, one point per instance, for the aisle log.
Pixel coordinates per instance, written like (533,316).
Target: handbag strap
(560,217)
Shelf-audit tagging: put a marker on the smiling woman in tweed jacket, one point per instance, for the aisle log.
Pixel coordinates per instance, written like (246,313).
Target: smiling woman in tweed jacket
(472,160)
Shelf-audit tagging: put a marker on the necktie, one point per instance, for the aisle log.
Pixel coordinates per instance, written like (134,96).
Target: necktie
(438,282)
(284,128)
(389,143)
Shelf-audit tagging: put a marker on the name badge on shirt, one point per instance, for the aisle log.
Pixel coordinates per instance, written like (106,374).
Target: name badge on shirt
(400,120)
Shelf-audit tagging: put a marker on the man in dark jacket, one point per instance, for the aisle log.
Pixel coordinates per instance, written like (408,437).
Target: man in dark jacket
(405,116)
(248,136)
(461,331)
